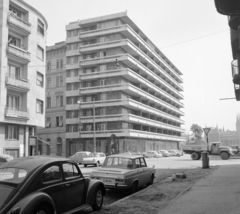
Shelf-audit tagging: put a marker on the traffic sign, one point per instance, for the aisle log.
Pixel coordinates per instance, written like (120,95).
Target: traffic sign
(206,130)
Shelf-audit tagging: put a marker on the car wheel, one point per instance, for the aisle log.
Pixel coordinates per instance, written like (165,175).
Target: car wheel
(97,164)
(42,209)
(85,165)
(224,155)
(151,180)
(98,200)
(134,187)
(195,156)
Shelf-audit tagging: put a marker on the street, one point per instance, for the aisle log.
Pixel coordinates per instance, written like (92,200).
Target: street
(162,165)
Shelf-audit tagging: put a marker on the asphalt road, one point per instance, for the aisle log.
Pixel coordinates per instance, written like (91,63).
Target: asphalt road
(183,162)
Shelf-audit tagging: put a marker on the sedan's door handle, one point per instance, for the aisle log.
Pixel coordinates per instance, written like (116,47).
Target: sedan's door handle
(67,185)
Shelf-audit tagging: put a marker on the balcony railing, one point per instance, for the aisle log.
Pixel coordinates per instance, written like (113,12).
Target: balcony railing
(17,82)
(13,19)
(18,52)
(16,113)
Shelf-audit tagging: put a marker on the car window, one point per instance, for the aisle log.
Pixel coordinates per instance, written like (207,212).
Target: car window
(13,175)
(118,162)
(137,162)
(70,171)
(143,163)
(52,173)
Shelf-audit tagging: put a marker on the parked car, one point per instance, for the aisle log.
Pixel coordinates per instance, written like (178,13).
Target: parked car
(152,154)
(165,153)
(94,159)
(123,171)
(5,158)
(78,156)
(173,152)
(43,184)
(180,152)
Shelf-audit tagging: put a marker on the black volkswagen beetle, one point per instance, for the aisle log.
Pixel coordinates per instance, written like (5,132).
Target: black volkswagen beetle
(47,185)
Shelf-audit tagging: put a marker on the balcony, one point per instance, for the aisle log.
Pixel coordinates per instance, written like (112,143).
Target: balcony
(236,72)
(17,54)
(23,27)
(19,84)
(17,113)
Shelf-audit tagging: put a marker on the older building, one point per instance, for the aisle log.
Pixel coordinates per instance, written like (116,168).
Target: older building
(22,87)
(120,89)
(53,137)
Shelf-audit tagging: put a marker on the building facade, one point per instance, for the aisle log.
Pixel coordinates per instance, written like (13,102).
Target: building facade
(22,86)
(52,138)
(120,89)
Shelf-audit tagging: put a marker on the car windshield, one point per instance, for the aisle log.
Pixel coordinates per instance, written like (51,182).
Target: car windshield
(94,155)
(118,162)
(12,175)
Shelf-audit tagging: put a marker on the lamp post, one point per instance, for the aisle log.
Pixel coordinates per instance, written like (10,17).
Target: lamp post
(206,131)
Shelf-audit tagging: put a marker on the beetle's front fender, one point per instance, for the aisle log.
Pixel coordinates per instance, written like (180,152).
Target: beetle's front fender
(29,203)
(92,186)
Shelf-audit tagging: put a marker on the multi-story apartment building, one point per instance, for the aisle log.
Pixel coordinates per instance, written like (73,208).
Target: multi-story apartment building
(120,88)
(53,135)
(22,87)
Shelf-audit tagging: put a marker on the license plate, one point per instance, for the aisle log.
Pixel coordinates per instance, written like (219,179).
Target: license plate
(108,181)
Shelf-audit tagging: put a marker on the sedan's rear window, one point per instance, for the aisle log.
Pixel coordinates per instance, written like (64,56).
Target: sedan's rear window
(12,175)
(118,162)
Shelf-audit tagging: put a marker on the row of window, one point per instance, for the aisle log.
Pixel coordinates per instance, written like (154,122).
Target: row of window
(59,64)
(59,82)
(59,121)
(59,101)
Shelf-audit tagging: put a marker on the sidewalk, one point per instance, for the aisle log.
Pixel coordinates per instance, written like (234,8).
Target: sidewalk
(218,193)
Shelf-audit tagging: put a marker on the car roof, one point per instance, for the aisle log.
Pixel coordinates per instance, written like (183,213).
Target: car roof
(126,156)
(5,156)
(32,162)
(83,152)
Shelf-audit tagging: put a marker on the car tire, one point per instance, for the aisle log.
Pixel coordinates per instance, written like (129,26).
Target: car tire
(98,199)
(97,164)
(151,180)
(85,165)
(195,156)
(134,187)
(224,155)
(42,209)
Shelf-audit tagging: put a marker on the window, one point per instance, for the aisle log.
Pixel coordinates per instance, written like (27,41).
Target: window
(40,27)
(39,106)
(14,41)
(14,71)
(61,63)
(39,79)
(40,53)
(11,132)
(59,121)
(70,171)
(57,81)
(61,81)
(48,82)
(59,101)
(13,102)
(49,66)
(51,174)
(48,123)
(48,102)
(57,64)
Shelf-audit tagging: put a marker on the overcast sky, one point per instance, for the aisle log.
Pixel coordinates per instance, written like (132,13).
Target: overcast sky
(189,32)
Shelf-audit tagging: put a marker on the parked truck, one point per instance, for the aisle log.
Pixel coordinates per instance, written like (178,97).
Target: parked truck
(214,149)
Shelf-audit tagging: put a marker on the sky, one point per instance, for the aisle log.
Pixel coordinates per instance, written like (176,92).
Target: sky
(191,33)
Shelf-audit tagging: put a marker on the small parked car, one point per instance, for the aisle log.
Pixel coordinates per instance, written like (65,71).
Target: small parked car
(78,156)
(43,184)
(123,171)
(165,153)
(95,159)
(152,154)
(5,158)
(173,152)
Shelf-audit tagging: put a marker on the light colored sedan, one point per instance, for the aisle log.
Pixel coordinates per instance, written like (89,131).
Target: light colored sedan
(78,156)
(165,153)
(152,154)
(94,159)
(124,171)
